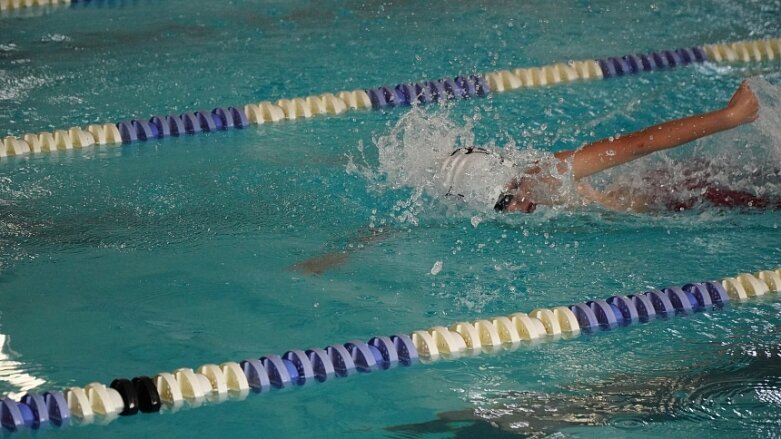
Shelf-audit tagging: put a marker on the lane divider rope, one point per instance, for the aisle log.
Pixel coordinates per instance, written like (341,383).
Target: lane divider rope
(19,4)
(11,5)
(419,93)
(213,383)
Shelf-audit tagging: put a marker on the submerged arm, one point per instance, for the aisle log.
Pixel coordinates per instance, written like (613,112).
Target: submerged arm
(320,264)
(606,153)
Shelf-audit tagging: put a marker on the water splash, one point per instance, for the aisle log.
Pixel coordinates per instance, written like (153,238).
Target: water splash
(411,157)
(767,128)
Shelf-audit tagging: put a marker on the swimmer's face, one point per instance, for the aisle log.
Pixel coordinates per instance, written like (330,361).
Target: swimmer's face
(522,205)
(517,198)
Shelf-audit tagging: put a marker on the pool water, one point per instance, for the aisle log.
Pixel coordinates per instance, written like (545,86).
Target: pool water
(132,260)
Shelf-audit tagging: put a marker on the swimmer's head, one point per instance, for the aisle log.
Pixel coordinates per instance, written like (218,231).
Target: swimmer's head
(484,179)
(476,175)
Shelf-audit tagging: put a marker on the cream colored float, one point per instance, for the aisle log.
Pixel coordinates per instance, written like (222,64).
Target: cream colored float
(12,146)
(744,51)
(356,99)
(263,112)
(106,134)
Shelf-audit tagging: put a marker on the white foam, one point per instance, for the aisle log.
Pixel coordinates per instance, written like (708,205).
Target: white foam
(436,268)
(412,155)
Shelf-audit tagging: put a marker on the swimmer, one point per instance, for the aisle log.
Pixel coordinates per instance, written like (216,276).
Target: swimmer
(518,188)
(539,185)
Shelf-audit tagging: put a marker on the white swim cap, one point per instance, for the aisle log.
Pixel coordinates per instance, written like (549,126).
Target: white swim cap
(477,175)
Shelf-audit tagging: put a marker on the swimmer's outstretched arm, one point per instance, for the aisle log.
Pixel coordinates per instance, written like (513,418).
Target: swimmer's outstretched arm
(328,261)
(603,154)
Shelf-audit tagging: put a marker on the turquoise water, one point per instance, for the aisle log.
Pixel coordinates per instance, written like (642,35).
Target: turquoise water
(153,256)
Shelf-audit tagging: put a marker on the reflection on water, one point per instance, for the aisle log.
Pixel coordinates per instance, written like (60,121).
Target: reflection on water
(14,374)
(734,397)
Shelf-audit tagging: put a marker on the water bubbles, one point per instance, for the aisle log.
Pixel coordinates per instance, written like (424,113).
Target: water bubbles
(476,220)
(55,38)
(518,424)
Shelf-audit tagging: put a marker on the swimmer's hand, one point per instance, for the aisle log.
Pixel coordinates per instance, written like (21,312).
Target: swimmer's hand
(743,107)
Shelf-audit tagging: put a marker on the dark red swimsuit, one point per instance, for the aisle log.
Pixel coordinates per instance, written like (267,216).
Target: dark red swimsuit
(725,198)
(684,189)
